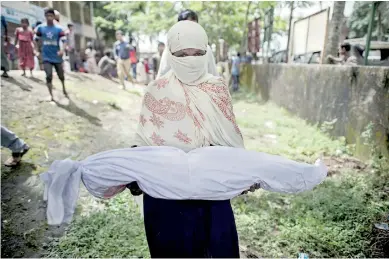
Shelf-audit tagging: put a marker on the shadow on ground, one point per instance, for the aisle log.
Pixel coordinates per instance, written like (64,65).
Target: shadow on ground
(22,85)
(73,108)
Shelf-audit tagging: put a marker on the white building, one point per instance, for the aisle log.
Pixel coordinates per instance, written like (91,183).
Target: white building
(78,13)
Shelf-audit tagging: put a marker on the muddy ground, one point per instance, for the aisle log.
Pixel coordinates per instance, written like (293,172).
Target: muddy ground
(99,116)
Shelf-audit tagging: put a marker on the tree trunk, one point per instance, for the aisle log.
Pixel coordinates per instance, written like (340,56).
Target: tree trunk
(218,33)
(334,31)
(245,29)
(289,29)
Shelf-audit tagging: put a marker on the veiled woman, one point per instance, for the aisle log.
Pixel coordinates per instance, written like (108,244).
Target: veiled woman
(188,108)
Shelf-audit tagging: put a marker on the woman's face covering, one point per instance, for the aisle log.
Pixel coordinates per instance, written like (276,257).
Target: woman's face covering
(187,43)
(189,52)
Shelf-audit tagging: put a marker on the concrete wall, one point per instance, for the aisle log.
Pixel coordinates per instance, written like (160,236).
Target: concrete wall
(354,96)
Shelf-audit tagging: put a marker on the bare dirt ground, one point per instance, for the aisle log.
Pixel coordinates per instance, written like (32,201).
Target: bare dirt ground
(99,116)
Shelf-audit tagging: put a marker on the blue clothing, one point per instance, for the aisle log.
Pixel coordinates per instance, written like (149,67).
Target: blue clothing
(50,36)
(190,228)
(235,66)
(122,49)
(3,25)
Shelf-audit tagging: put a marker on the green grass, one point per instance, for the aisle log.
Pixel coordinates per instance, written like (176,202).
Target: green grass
(117,231)
(333,220)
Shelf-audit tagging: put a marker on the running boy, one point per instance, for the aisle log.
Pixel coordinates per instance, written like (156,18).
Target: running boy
(50,35)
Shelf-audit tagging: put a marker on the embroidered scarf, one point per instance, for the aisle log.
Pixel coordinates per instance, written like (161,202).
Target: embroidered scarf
(187,108)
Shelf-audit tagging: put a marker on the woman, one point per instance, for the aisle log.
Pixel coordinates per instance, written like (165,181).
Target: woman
(90,53)
(164,67)
(188,108)
(24,36)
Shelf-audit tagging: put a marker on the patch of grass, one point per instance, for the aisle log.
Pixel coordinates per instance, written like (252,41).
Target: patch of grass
(117,231)
(268,128)
(334,220)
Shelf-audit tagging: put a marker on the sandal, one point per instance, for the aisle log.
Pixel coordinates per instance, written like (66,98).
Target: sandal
(17,157)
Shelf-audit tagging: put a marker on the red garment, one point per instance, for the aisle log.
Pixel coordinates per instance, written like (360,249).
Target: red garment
(133,58)
(26,50)
(146,67)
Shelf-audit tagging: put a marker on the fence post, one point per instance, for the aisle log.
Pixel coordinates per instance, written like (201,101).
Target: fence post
(369,31)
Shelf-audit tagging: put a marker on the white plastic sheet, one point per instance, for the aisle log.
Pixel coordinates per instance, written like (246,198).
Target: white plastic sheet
(209,173)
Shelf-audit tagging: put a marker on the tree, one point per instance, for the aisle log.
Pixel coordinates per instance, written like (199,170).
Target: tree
(108,17)
(336,22)
(227,20)
(359,20)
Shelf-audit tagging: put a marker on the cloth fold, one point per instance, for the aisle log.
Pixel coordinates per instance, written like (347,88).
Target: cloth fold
(208,173)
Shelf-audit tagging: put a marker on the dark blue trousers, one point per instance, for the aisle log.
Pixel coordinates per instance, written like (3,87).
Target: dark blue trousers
(190,228)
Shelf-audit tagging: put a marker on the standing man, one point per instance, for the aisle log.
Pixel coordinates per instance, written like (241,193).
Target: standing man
(50,35)
(122,57)
(4,35)
(15,144)
(235,63)
(188,15)
(71,44)
(157,59)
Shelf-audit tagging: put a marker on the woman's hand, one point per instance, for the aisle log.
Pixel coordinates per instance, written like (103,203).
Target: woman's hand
(253,188)
(134,188)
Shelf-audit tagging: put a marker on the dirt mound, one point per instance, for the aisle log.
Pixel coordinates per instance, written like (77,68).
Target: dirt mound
(337,164)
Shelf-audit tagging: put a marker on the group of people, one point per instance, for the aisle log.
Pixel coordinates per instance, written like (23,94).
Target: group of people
(46,42)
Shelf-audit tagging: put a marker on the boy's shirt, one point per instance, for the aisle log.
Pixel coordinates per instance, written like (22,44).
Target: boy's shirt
(50,37)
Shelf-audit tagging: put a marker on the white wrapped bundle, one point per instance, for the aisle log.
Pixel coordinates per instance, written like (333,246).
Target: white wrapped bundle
(209,173)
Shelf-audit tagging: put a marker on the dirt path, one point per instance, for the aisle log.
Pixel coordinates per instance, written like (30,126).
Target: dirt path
(98,117)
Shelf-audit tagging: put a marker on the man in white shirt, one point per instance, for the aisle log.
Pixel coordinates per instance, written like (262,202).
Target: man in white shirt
(164,67)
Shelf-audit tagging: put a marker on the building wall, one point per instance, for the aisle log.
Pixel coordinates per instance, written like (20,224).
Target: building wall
(79,13)
(352,97)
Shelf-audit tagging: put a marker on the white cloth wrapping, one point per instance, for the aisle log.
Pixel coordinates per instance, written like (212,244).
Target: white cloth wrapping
(209,173)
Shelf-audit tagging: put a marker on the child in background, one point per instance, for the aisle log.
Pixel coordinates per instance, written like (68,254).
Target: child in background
(24,43)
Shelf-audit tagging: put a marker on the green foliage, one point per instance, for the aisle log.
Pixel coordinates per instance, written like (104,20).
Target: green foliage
(334,220)
(225,20)
(108,17)
(360,17)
